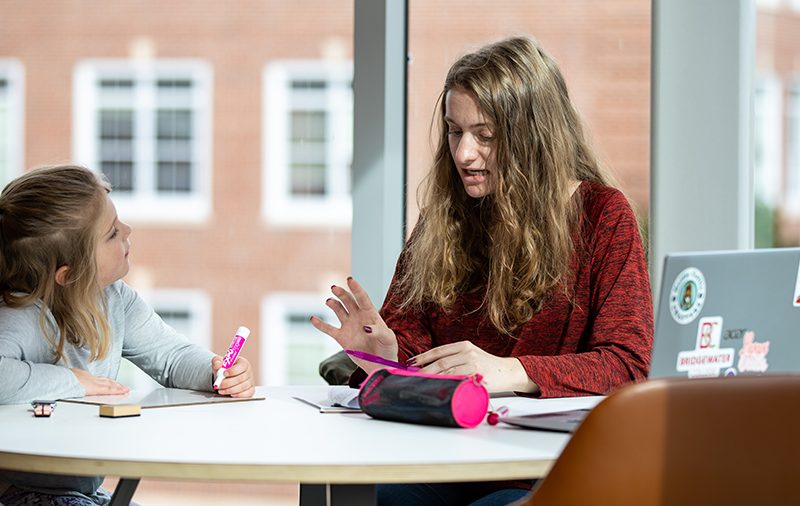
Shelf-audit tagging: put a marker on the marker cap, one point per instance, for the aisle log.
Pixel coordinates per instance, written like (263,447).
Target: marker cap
(243,332)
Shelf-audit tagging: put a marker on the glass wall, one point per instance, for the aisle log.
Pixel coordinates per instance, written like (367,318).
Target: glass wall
(603,49)
(225,128)
(777,123)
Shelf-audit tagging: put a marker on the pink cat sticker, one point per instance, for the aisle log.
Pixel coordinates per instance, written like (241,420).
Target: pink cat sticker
(753,355)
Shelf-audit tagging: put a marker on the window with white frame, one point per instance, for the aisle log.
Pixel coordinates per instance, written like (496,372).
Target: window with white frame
(767,140)
(292,348)
(11,119)
(147,126)
(792,195)
(308,142)
(186,311)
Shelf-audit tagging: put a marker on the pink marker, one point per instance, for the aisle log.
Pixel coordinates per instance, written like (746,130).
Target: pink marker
(233,352)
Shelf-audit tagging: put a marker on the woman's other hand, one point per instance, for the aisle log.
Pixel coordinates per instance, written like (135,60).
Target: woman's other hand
(98,385)
(238,378)
(499,373)
(362,328)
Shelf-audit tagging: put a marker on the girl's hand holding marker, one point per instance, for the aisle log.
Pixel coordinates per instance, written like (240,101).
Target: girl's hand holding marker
(238,378)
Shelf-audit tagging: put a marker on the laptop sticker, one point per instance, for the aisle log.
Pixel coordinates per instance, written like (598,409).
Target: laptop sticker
(707,359)
(753,355)
(709,332)
(797,288)
(687,295)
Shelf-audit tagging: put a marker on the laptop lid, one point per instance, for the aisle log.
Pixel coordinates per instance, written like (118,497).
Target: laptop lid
(728,313)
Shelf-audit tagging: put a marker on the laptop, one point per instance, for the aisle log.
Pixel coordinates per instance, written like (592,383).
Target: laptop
(720,313)
(728,313)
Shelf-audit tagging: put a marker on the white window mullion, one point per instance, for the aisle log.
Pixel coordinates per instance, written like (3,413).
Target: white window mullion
(145,135)
(767,119)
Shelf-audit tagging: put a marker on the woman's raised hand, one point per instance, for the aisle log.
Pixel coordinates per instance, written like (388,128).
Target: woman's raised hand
(98,385)
(362,328)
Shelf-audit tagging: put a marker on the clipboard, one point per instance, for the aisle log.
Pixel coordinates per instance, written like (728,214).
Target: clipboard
(159,398)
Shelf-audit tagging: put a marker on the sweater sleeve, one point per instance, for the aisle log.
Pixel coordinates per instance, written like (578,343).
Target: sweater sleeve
(26,361)
(619,332)
(158,349)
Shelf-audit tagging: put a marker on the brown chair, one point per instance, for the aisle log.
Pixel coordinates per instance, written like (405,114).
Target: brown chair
(726,441)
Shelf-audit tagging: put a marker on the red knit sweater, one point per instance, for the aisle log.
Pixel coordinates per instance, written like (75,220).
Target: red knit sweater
(590,345)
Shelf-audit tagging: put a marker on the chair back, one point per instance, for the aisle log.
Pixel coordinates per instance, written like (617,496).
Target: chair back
(684,442)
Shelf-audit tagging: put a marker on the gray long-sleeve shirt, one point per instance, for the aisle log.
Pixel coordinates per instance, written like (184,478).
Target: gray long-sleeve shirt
(137,333)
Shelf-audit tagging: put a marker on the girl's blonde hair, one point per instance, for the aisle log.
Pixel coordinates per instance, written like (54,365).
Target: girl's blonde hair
(517,241)
(49,219)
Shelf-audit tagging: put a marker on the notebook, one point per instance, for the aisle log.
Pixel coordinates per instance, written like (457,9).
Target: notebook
(728,313)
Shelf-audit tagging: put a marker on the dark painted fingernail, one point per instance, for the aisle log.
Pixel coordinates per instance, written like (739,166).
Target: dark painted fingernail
(349,278)
(333,286)
(411,361)
(367,329)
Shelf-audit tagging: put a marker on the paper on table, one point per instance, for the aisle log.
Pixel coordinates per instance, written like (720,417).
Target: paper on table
(160,398)
(341,399)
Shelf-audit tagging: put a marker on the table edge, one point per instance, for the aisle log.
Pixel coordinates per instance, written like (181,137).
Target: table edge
(278,473)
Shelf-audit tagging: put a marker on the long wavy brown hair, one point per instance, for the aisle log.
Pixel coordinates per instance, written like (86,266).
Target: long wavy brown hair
(48,219)
(517,241)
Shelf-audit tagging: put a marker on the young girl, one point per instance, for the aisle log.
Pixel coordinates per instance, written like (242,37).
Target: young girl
(67,318)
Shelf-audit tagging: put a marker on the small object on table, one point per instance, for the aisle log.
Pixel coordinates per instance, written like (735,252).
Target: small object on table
(43,409)
(120,410)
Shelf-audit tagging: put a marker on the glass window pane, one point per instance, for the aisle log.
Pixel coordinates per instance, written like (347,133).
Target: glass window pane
(174,124)
(602,48)
(119,174)
(116,124)
(777,124)
(174,176)
(179,111)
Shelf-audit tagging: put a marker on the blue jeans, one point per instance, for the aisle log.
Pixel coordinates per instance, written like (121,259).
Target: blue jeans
(20,497)
(447,494)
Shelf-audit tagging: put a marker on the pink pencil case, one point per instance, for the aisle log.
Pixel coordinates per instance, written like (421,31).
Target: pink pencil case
(430,399)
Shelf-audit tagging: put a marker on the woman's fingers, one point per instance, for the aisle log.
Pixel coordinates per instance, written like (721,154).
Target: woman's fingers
(327,328)
(338,309)
(439,352)
(347,299)
(360,295)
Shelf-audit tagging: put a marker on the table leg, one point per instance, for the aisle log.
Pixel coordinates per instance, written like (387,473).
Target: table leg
(124,491)
(337,495)
(313,495)
(361,495)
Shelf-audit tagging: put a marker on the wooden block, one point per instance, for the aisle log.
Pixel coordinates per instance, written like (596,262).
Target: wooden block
(120,410)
